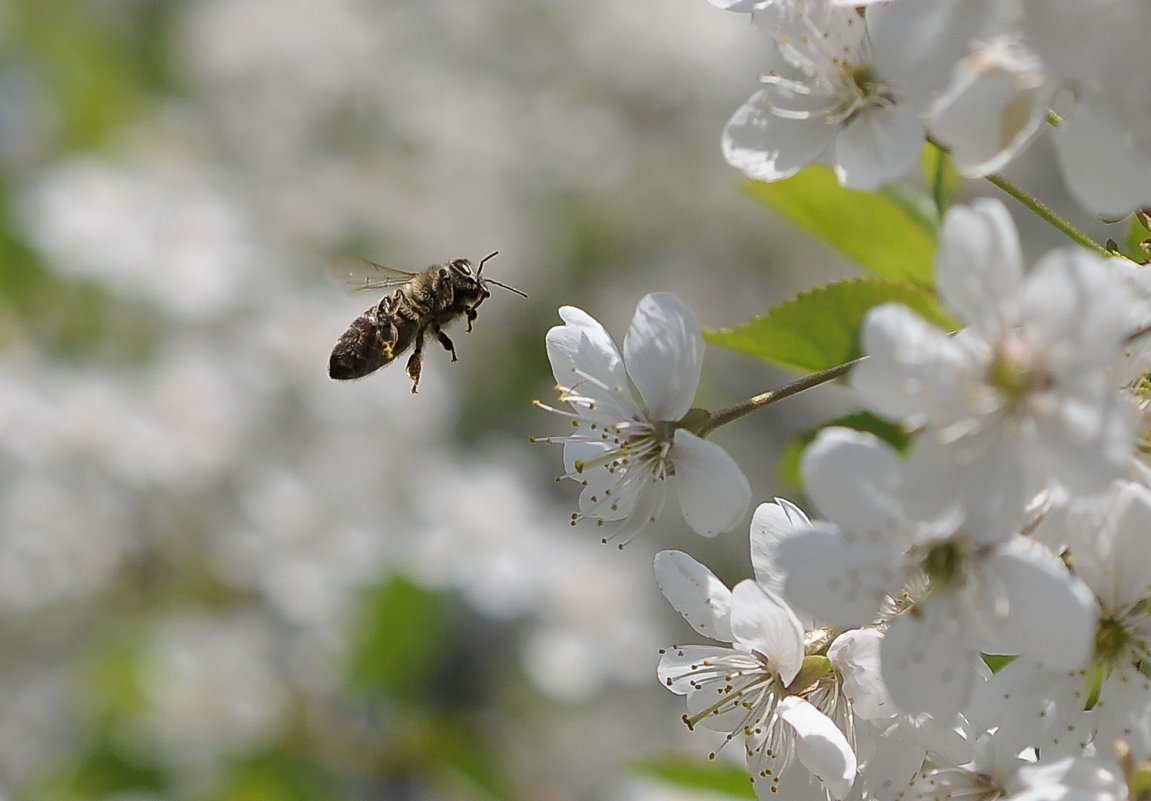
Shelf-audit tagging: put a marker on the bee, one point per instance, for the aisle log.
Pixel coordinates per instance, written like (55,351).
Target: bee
(423,305)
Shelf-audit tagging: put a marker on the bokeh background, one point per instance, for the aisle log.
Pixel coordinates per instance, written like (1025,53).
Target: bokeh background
(224,576)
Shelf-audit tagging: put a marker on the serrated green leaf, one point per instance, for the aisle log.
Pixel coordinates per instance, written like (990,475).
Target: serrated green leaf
(871,228)
(819,329)
(710,776)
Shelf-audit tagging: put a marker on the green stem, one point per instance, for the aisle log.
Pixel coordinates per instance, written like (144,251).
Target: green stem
(725,416)
(1047,213)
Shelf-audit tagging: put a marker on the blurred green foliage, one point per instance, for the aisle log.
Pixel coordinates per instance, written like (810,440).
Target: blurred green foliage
(712,777)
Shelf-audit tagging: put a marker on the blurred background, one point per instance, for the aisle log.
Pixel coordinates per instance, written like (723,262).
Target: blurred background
(225,576)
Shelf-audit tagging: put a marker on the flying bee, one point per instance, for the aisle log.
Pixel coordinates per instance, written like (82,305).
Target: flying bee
(423,305)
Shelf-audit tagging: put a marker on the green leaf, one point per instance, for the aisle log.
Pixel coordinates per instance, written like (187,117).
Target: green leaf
(998,661)
(871,228)
(100,67)
(819,329)
(788,468)
(940,174)
(278,775)
(709,777)
(101,771)
(400,639)
(1136,245)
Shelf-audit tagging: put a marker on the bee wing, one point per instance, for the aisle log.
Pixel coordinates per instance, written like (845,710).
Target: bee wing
(364,274)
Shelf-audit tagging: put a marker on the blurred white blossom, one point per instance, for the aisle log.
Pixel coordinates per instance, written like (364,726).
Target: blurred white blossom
(212,687)
(985,593)
(1024,398)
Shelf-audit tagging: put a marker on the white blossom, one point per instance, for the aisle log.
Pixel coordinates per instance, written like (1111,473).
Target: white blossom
(625,452)
(994,595)
(852,91)
(787,703)
(1023,398)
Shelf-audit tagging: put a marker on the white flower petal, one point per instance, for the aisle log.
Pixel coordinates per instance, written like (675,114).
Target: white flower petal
(1087,440)
(680,667)
(835,580)
(979,482)
(663,351)
(993,107)
(929,658)
(1116,562)
(713,491)
(820,745)
(893,760)
(582,343)
(771,523)
(1103,169)
(739,6)
(979,265)
(1076,310)
(762,622)
(855,654)
(918,44)
(854,479)
(1073,778)
(880,145)
(767,147)
(1125,710)
(1050,615)
(1027,704)
(695,593)
(912,368)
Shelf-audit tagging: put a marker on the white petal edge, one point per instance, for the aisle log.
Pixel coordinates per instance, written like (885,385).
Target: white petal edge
(713,492)
(762,622)
(820,745)
(771,523)
(663,352)
(696,593)
(564,345)
(854,479)
(979,265)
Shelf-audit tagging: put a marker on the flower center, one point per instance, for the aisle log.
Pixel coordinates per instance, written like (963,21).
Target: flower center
(943,563)
(863,89)
(813,671)
(1015,371)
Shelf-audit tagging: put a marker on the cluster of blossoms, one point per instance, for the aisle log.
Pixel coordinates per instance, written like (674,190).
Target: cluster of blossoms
(1013,532)
(967,612)
(859,85)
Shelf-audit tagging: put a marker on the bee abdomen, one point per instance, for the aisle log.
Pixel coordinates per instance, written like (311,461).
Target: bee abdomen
(365,347)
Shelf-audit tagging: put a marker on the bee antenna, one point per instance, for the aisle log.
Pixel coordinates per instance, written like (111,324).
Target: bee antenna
(485,260)
(505,286)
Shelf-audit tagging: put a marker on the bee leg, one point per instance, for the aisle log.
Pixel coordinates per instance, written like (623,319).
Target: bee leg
(448,344)
(471,314)
(388,338)
(416,362)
